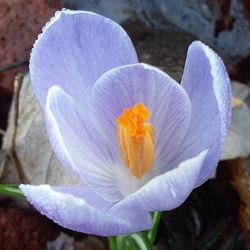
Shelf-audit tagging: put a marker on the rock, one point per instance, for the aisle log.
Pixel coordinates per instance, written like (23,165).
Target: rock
(20,23)
(24,229)
(218,23)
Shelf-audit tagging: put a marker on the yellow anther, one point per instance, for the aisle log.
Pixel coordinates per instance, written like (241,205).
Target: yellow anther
(236,102)
(136,139)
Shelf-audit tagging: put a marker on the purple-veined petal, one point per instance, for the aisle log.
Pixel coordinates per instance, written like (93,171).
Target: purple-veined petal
(79,209)
(79,144)
(207,84)
(168,103)
(166,191)
(74,50)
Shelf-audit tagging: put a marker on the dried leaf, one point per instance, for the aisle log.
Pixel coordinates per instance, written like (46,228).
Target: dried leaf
(61,242)
(32,146)
(64,241)
(237,142)
(2,160)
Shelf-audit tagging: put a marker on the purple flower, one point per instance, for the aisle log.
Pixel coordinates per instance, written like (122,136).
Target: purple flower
(137,140)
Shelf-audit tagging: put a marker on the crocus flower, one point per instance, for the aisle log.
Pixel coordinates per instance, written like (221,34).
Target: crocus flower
(137,140)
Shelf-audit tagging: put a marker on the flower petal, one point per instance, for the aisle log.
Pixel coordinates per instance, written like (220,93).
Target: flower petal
(75,48)
(79,144)
(79,209)
(166,191)
(208,86)
(168,103)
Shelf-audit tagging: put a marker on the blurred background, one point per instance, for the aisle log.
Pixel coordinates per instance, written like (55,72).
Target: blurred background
(216,216)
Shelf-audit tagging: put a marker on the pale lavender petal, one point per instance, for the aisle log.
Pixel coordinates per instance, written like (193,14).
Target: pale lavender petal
(168,103)
(208,86)
(79,144)
(166,191)
(79,209)
(74,50)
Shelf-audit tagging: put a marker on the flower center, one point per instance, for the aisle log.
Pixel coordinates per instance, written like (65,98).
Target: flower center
(136,139)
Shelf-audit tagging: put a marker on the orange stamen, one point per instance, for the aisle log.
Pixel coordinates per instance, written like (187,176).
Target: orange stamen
(136,139)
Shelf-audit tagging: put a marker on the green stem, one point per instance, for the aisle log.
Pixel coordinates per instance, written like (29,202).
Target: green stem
(153,232)
(11,189)
(112,243)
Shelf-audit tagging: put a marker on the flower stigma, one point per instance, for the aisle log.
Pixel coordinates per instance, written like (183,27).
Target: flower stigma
(136,139)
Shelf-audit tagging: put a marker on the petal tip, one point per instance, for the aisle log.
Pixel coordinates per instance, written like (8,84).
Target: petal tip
(209,52)
(222,86)
(58,14)
(24,188)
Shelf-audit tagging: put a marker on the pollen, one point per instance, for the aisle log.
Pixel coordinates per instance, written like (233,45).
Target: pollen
(136,139)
